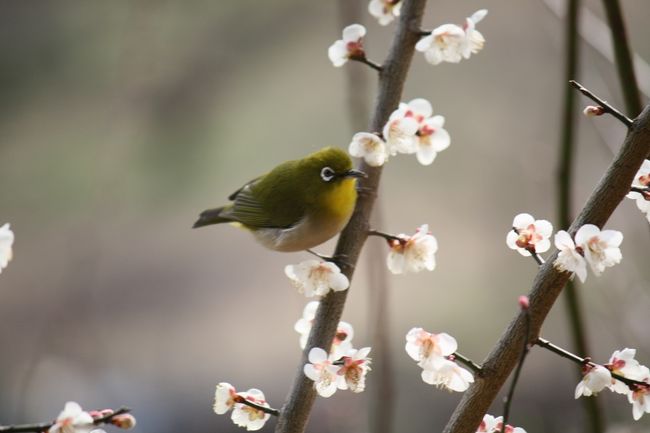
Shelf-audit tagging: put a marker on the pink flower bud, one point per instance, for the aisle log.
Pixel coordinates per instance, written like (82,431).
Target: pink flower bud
(593,110)
(524,302)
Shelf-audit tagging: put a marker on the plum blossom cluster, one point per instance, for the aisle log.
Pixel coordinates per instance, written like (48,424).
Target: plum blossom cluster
(349,47)
(599,249)
(529,235)
(6,246)
(331,373)
(411,129)
(247,406)
(412,253)
(73,419)
(342,343)
(452,43)
(641,183)
(621,363)
(492,424)
(316,278)
(435,354)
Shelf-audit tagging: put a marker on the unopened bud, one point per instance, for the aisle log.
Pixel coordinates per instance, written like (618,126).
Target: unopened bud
(524,302)
(125,421)
(593,110)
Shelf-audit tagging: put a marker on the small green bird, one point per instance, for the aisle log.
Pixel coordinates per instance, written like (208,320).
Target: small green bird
(297,205)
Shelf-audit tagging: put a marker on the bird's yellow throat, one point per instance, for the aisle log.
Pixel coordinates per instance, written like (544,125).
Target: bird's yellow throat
(339,200)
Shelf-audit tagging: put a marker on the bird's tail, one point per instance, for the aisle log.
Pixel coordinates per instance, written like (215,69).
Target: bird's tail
(211,216)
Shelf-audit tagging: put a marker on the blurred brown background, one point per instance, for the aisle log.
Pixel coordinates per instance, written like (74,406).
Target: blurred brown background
(121,120)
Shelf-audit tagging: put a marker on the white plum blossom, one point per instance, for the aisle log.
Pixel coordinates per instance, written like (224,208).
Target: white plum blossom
(451,43)
(73,419)
(530,235)
(492,424)
(412,129)
(600,248)
(385,10)
(595,379)
(569,259)
(640,399)
(412,253)
(622,363)
(315,278)
(370,147)
(224,398)
(448,374)
(6,245)
(399,132)
(356,365)
(429,350)
(249,417)
(351,46)
(342,342)
(321,370)
(642,180)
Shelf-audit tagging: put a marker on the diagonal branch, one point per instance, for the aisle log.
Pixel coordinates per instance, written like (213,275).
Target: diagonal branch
(548,283)
(295,413)
(45,426)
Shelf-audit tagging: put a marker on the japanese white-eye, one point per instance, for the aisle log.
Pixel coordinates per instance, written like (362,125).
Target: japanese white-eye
(297,205)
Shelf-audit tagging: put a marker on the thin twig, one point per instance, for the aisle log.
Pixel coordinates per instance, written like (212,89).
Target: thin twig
(366,61)
(45,426)
(468,362)
(541,342)
(507,401)
(386,236)
(602,103)
(245,401)
(623,55)
(643,191)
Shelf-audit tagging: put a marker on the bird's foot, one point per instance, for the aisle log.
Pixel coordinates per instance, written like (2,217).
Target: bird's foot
(340,260)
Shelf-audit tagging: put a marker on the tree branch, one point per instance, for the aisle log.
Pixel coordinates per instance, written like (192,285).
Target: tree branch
(295,413)
(602,103)
(45,426)
(548,283)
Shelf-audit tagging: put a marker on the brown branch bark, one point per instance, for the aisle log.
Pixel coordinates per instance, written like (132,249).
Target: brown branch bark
(295,413)
(548,283)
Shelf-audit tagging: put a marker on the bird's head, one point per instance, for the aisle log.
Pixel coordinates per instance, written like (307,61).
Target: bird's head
(326,168)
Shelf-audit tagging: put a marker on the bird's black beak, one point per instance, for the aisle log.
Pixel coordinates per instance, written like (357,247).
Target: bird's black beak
(354,173)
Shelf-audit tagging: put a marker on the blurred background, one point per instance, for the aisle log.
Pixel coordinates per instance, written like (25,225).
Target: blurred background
(120,121)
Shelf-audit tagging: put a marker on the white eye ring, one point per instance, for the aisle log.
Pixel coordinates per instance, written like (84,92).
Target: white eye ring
(327,174)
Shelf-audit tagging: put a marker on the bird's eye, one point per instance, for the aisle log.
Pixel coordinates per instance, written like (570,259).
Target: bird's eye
(327,174)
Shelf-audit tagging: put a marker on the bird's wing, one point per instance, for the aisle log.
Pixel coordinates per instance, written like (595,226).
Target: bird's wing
(249,211)
(233,196)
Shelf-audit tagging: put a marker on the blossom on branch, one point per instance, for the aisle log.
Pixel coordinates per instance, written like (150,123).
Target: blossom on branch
(600,248)
(6,245)
(491,424)
(451,43)
(595,379)
(640,400)
(529,235)
(73,419)
(370,147)
(315,278)
(323,372)
(412,129)
(249,417)
(448,374)
(622,363)
(569,259)
(356,365)
(342,342)
(412,253)
(429,350)
(385,10)
(642,181)
(350,47)
(224,398)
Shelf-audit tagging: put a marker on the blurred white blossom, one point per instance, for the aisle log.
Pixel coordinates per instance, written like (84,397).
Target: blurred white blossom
(385,11)
(595,379)
(6,246)
(413,253)
(370,147)
(448,374)
(249,417)
(351,45)
(569,259)
(531,235)
(315,278)
(73,419)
